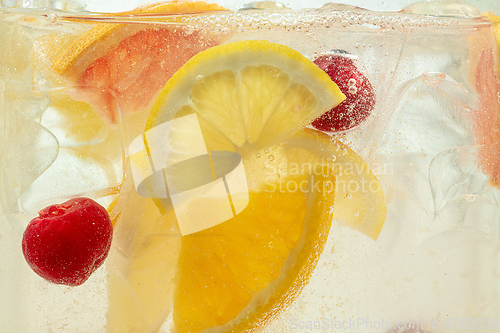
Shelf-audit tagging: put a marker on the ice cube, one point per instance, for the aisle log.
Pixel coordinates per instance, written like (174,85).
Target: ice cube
(27,154)
(443,8)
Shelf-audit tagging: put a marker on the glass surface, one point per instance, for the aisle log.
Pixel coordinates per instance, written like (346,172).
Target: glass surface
(72,130)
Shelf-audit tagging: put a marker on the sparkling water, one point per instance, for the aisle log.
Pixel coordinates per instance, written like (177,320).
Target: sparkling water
(436,264)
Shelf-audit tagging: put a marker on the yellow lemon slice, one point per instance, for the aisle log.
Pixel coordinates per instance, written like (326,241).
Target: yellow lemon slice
(251,92)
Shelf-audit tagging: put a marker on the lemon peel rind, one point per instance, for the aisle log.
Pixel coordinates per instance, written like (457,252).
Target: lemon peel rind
(298,275)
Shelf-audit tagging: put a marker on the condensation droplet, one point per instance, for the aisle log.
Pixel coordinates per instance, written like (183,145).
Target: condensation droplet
(199,78)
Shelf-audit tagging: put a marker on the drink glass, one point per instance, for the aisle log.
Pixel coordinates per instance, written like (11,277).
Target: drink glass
(431,140)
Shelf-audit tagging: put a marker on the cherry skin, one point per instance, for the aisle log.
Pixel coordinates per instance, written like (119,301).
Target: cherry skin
(344,69)
(67,242)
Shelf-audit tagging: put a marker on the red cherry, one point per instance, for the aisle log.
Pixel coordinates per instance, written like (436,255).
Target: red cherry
(344,69)
(67,242)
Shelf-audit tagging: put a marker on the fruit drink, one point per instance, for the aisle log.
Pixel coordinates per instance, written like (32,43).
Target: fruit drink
(197,167)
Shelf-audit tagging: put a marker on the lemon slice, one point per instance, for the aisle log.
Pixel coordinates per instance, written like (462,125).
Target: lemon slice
(359,196)
(240,274)
(254,92)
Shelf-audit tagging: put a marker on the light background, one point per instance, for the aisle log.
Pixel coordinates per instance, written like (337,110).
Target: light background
(394,5)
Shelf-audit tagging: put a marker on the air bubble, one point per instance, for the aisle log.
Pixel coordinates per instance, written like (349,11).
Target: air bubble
(351,82)
(348,196)
(353,89)
(356,213)
(275,19)
(247,21)
(271,245)
(258,155)
(212,19)
(233,24)
(223,19)
(470,198)
(271,157)
(343,151)
(199,78)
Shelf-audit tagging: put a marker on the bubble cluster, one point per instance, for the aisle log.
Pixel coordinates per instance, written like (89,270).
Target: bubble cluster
(326,18)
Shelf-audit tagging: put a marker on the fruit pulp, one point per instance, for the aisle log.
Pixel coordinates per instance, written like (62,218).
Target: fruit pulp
(421,141)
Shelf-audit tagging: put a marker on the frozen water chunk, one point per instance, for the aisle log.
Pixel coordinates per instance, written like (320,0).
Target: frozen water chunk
(431,115)
(25,156)
(443,8)
(454,173)
(431,118)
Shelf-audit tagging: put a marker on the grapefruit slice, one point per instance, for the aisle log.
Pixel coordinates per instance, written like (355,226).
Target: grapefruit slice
(485,77)
(125,65)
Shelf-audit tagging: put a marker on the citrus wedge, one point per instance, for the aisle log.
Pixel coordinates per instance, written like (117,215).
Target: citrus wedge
(251,92)
(125,65)
(141,264)
(244,99)
(240,274)
(485,78)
